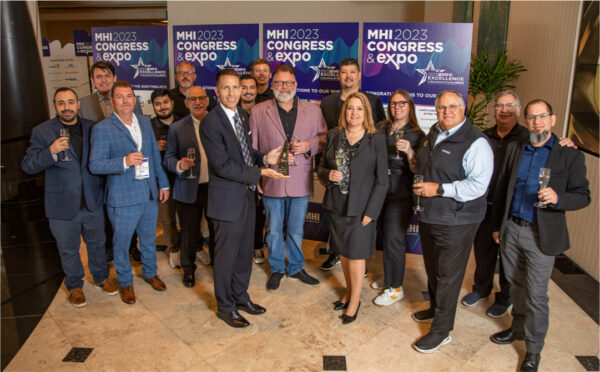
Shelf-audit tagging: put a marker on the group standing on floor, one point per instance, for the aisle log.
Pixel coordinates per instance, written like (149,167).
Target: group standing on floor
(214,162)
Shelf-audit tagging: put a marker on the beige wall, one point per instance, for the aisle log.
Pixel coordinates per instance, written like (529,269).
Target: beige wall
(543,36)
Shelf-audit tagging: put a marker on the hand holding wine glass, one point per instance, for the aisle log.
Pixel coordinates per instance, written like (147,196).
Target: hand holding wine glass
(191,155)
(398,135)
(418,178)
(64,132)
(545,196)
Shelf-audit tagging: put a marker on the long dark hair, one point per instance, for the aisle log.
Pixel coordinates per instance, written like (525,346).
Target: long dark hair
(412,116)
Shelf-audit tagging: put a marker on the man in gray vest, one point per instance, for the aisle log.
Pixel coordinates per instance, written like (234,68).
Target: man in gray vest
(456,162)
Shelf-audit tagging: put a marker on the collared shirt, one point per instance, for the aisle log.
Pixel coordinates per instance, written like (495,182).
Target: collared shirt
(288,118)
(76,137)
(527,186)
(136,134)
(203,161)
(476,163)
(105,104)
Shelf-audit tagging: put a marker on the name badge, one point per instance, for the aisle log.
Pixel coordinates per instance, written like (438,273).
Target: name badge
(142,171)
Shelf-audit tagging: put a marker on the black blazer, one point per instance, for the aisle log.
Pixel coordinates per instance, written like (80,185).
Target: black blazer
(368,175)
(228,173)
(567,179)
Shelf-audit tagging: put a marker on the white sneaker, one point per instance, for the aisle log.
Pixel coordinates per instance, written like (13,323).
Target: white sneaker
(203,257)
(174,260)
(378,284)
(389,297)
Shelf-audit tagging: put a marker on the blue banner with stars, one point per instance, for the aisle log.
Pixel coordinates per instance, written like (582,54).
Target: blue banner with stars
(212,48)
(314,50)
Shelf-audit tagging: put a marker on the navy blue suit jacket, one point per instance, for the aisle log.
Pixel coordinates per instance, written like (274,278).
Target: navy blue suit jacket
(228,173)
(182,136)
(110,143)
(64,179)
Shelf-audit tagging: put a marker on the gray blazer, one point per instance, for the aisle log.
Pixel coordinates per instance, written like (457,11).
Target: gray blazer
(89,108)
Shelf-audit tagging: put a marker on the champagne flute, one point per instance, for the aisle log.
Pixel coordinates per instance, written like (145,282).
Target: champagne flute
(191,154)
(64,132)
(399,134)
(544,179)
(295,141)
(339,162)
(417,208)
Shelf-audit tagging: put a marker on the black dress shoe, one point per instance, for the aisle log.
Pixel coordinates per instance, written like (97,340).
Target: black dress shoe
(339,305)
(252,308)
(233,319)
(189,280)
(531,362)
(508,336)
(349,319)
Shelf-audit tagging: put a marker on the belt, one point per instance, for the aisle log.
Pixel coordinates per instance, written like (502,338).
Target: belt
(523,223)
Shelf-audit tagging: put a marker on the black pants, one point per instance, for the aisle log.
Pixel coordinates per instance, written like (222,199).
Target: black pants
(486,252)
(259,229)
(446,253)
(232,263)
(395,219)
(190,218)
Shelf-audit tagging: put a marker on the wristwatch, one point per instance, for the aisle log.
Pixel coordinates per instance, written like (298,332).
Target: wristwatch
(440,190)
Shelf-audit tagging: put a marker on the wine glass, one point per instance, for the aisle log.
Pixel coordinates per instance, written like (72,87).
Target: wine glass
(191,154)
(64,132)
(295,140)
(544,179)
(417,208)
(399,134)
(339,161)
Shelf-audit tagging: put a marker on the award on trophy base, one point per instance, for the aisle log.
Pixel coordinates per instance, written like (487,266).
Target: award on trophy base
(283,166)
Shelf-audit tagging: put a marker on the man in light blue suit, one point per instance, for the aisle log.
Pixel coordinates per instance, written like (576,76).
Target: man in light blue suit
(123,147)
(73,197)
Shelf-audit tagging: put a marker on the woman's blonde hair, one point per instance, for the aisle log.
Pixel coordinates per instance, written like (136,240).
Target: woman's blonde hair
(368,122)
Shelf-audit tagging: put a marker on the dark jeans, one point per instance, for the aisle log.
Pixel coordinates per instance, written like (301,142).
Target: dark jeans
(395,219)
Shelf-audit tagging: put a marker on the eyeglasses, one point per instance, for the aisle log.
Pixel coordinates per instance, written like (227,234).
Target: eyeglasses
(533,117)
(188,73)
(279,84)
(192,99)
(508,106)
(398,103)
(451,108)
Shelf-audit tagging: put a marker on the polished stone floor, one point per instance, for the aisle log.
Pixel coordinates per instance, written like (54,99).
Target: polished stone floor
(177,330)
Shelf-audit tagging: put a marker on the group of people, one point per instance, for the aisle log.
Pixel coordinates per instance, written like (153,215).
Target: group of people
(219,159)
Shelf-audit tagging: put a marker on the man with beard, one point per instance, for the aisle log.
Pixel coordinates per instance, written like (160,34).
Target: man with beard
(162,103)
(331,106)
(191,183)
(249,92)
(530,237)
(287,119)
(185,76)
(73,197)
(123,147)
(261,70)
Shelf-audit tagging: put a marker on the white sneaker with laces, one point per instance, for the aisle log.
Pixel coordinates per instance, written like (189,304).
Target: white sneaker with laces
(389,297)
(203,257)
(174,260)
(378,284)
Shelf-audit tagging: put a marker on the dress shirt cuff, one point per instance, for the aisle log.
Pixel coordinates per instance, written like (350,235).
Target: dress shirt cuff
(165,188)
(178,168)
(448,190)
(125,163)
(557,202)
(55,157)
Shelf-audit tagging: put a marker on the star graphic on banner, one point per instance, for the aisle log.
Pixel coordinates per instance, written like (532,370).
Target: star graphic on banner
(137,67)
(318,68)
(424,71)
(227,64)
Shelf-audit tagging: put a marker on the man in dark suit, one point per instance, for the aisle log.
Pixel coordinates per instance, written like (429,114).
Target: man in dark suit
(124,148)
(73,197)
(233,177)
(531,237)
(191,181)
(331,107)
(162,103)
(185,76)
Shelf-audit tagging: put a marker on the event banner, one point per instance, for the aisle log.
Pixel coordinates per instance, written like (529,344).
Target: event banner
(314,50)
(212,48)
(421,58)
(83,43)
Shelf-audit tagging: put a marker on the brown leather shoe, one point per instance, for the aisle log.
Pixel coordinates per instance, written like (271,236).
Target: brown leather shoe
(156,283)
(127,295)
(108,286)
(76,298)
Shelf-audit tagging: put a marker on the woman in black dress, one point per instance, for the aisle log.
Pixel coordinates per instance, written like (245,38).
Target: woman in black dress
(354,168)
(403,135)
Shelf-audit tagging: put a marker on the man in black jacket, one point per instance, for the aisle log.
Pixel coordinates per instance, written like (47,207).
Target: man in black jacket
(530,237)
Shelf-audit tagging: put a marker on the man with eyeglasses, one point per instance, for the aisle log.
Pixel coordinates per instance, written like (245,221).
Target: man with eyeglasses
(287,119)
(261,70)
(190,190)
(531,236)
(331,107)
(456,162)
(185,76)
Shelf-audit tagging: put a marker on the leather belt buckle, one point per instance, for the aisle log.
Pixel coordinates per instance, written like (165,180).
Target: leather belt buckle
(523,223)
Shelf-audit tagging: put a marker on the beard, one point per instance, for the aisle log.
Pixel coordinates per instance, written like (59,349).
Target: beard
(279,97)
(539,138)
(165,116)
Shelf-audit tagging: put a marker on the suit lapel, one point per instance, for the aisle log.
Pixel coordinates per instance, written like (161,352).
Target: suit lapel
(554,153)
(363,143)
(96,105)
(228,127)
(189,124)
(273,114)
(119,125)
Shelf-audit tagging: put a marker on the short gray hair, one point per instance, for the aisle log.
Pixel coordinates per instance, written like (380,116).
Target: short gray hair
(460,97)
(503,93)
